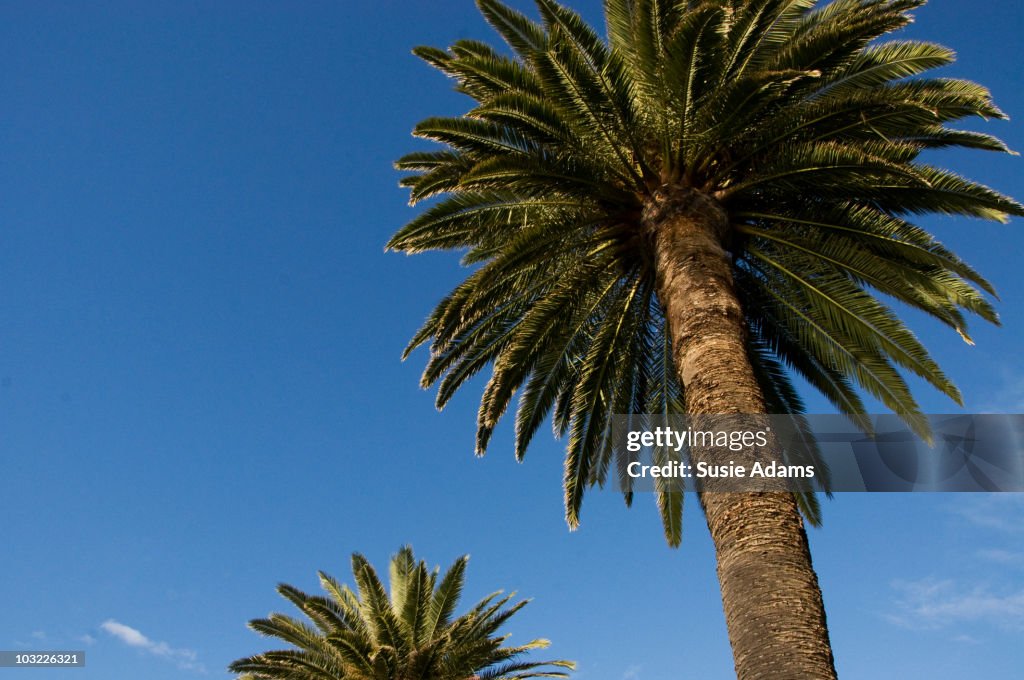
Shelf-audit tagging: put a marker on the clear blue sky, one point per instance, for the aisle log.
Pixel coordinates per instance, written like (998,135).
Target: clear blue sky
(201,393)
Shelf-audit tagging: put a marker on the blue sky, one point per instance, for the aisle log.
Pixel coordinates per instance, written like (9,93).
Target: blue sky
(201,393)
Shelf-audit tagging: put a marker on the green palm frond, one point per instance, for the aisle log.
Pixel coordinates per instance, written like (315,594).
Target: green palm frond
(410,633)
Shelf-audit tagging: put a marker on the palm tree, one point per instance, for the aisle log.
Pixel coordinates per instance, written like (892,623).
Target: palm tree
(411,635)
(678,218)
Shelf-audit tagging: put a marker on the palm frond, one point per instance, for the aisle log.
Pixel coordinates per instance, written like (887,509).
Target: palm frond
(409,632)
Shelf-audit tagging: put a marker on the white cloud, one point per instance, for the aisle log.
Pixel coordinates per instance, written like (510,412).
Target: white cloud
(38,635)
(184,658)
(126,634)
(632,673)
(933,604)
(87,639)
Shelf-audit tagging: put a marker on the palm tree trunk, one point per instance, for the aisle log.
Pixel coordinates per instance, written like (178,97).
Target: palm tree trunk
(770,594)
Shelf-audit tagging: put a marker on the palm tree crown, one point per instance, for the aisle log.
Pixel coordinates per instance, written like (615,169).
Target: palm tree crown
(412,634)
(787,119)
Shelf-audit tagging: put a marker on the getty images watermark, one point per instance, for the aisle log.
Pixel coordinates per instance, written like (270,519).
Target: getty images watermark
(981,452)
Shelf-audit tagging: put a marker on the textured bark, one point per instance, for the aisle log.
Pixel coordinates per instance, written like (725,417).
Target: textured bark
(770,594)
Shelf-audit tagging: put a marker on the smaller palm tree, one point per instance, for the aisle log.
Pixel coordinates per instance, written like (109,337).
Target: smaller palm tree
(409,635)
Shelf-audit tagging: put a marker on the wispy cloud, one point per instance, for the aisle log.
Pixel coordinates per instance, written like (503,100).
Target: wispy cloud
(184,658)
(999,511)
(1009,397)
(931,604)
(965,639)
(1009,558)
(632,673)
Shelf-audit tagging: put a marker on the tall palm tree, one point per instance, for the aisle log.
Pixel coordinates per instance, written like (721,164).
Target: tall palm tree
(679,217)
(411,635)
